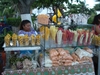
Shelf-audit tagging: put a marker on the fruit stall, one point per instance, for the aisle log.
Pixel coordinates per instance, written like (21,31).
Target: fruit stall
(58,50)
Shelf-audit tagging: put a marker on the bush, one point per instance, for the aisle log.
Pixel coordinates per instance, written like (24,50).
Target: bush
(90,20)
(33,18)
(14,21)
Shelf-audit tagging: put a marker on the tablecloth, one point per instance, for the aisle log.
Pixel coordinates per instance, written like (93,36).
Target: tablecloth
(80,69)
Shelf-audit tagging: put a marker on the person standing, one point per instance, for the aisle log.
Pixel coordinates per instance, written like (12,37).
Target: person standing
(96,28)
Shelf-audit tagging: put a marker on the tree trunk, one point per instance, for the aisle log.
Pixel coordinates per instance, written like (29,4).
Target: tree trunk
(28,17)
(24,8)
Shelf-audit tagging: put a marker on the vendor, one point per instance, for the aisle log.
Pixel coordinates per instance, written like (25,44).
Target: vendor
(26,29)
(96,28)
(96,23)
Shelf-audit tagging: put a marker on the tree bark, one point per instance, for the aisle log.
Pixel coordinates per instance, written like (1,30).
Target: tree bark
(24,8)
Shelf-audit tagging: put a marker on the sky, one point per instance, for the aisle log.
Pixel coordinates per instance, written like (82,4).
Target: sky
(90,3)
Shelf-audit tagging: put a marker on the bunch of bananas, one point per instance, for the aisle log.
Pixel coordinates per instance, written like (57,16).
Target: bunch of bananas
(54,18)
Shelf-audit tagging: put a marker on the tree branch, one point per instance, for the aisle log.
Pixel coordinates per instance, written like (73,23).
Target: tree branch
(29,2)
(22,2)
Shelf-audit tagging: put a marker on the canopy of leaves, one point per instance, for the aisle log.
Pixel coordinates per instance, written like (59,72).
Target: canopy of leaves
(78,8)
(7,8)
(24,6)
(74,8)
(47,3)
(28,4)
(90,20)
(97,7)
(97,0)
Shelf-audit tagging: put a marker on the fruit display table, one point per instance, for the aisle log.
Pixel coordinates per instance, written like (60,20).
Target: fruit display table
(20,48)
(80,69)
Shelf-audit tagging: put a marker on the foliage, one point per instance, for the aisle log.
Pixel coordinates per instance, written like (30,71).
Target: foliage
(14,59)
(47,3)
(97,7)
(33,18)
(9,12)
(79,8)
(97,0)
(4,32)
(14,21)
(8,8)
(16,5)
(90,20)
